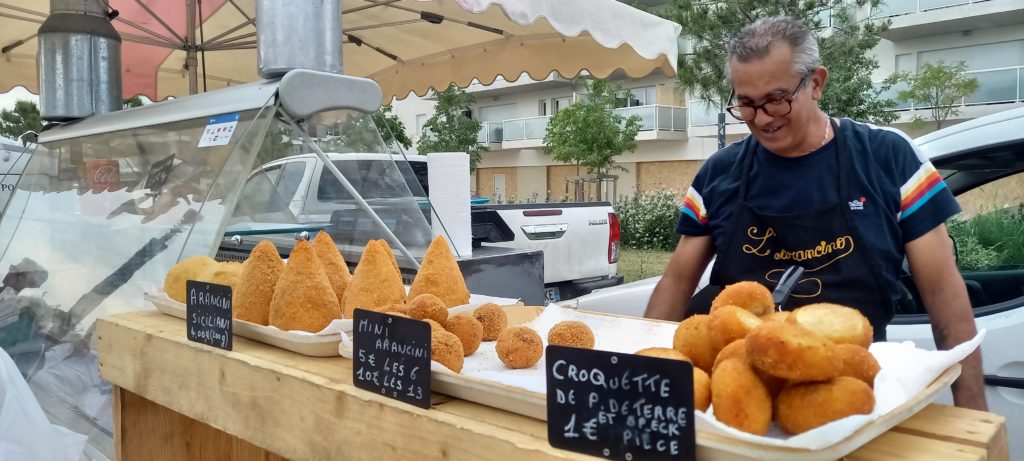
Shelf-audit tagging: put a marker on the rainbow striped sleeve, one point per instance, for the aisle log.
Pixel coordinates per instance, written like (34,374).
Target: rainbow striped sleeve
(921,187)
(693,206)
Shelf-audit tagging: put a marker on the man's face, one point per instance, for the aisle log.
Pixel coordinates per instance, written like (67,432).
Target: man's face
(771,79)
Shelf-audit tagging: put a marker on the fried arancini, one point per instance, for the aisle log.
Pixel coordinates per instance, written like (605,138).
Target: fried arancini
(741,400)
(396,309)
(694,341)
(751,296)
(255,290)
(446,349)
(439,275)
(469,331)
(839,324)
(857,362)
(428,306)
(186,269)
(805,406)
(493,319)
(661,353)
(571,333)
(333,263)
(787,350)
(729,323)
(223,273)
(519,347)
(776,316)
(303,299)
(434,326)
(376,282)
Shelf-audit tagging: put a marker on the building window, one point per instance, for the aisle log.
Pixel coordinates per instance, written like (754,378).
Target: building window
(558,104)
(421,119)
(542,107)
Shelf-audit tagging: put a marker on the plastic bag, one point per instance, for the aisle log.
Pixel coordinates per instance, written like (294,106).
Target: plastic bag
(25,432)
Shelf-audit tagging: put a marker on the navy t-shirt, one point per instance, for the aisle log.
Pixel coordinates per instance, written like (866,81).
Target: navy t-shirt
(895,194)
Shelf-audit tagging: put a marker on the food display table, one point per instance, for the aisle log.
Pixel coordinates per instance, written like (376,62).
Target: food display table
(179,400)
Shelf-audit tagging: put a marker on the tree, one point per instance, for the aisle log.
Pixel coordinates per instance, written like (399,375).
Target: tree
(24,118)
(449,129)
(133,101)
(938,87)
(392,130)
(844,49)
(588,133)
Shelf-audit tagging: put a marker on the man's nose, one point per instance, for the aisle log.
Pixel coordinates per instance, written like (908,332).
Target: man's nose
(761,118)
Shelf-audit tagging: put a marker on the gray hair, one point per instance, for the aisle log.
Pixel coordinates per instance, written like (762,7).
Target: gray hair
(755,41)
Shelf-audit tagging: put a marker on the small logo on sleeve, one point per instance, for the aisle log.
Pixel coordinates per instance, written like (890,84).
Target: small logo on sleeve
(858,204)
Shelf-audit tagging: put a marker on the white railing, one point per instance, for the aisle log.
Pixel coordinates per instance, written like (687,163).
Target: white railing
(899,7)
(652,117)
(999,85)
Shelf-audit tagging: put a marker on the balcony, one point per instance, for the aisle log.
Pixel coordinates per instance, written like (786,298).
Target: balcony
(490,133)
(922,18)
(657,122)
(995,86)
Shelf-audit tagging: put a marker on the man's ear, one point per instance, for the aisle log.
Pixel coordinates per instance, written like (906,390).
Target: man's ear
(818,80)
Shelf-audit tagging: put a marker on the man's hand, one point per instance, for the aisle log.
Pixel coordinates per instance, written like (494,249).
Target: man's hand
(933,266)
(671,296)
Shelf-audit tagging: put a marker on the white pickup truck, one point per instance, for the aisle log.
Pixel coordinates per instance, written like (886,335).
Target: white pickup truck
(579,241)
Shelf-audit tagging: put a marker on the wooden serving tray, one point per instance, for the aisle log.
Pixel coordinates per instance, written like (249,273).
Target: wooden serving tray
(710,446)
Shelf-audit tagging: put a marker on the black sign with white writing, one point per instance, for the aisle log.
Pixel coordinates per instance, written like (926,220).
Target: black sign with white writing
(208,313)
(158,173)
(391,356)
(620,406)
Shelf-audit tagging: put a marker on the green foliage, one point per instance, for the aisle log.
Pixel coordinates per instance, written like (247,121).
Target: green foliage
(990,241)
(25,117)
(277,143)
(939,87)
(392,130)
(844,48)
(648,220)
(449,130)
(133,101)
(588,133)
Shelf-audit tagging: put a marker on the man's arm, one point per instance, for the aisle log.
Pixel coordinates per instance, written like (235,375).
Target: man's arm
(933,266)
(688,262)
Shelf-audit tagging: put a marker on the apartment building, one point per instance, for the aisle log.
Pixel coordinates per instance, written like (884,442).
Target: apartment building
(677,134)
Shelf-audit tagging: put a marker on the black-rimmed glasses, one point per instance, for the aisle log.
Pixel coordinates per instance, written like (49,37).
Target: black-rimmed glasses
(773,107)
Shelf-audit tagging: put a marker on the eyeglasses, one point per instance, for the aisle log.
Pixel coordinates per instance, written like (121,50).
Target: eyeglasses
(774,107)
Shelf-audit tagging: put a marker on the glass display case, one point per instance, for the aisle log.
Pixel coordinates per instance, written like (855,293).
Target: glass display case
(106,206)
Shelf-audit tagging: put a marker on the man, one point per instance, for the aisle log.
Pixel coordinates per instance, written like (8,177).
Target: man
(844,200)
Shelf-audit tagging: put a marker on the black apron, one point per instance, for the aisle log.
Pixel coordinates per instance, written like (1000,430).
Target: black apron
(824,241)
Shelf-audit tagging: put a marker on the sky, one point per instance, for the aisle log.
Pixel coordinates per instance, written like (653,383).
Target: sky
(8,99)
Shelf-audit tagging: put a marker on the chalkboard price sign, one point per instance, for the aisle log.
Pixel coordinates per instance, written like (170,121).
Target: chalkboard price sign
(208,313)
(620,406)
(158,173)
(391,356)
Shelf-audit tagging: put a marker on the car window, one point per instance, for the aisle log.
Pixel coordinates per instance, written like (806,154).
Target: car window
(372,178)
(988,232)
(291,176)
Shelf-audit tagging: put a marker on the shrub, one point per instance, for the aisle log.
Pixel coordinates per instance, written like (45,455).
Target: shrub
(990,241)
(648,220)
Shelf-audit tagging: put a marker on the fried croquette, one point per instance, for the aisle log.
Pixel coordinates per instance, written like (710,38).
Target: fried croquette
(446,349)
(519,347)
(468,329)
(493,319)
(223,273)
(751,296)
(255,290)
(694,341)
(303,299)
(776,316)
(186,269)
(428,306)
(741,400)
(571,333)
(839,324)
(787,350)
(857,362)
(376,282)
(729,323)
(659,352)
(439,275)
(738,350)
(805,406)
(701,390)
(333,263)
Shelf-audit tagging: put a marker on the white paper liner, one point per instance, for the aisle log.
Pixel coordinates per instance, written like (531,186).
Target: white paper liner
(905,372)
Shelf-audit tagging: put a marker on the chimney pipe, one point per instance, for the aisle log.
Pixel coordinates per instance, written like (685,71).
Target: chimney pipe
(298,35)
(79,61)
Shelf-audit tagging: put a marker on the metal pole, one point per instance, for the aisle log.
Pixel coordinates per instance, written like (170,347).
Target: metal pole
(190,46)
(351,190)
(721,130)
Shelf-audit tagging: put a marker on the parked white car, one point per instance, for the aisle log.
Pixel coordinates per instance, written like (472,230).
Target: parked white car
(984,152)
